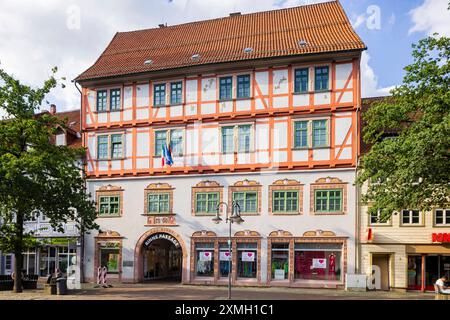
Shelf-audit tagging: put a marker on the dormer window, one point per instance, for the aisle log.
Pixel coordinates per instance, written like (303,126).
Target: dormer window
(61,139)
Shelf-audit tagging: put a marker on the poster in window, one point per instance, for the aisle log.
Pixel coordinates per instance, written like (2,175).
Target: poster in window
(248,256)
(279,274)
(319,263)
(206,255)
(225,256)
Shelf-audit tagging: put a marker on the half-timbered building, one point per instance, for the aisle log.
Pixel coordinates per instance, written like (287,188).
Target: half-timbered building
(261,109)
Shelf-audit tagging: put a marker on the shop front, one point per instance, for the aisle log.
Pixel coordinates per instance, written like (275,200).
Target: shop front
(426,264)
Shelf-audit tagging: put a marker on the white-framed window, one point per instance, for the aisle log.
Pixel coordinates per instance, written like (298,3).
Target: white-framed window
(375,219)
(173,138)
(442,217)
(61,139)
(411,217)
(237,138)
(311,133)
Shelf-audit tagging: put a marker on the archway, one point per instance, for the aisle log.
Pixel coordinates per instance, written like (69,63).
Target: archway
(160,254)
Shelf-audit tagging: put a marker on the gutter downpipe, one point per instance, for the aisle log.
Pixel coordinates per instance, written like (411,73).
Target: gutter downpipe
(82,280)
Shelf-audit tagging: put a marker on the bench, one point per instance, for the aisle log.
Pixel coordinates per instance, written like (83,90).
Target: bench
(30,281)
(439,294)
(6,283)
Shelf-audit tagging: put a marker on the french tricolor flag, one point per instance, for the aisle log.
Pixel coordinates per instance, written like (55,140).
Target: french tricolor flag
(166,156)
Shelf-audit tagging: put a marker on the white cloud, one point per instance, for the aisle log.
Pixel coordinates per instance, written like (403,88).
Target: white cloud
(369,80)
(430,17)
(36,35)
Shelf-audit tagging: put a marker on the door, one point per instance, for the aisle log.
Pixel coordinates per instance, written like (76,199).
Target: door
(382,261)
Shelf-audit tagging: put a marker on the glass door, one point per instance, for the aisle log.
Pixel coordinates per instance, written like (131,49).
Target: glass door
(414,272)
(431,271)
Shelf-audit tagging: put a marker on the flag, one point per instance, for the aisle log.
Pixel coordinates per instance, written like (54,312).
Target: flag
(166,156)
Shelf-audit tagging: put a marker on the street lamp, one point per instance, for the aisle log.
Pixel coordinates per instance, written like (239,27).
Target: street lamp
(235,217)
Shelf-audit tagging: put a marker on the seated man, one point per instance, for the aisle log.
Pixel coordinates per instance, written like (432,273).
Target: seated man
(441,284)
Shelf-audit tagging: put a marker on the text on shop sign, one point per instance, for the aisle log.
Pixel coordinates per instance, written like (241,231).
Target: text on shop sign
(441,237)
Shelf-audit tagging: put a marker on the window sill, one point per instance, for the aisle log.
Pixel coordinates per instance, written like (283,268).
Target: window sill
(441,225)
(322,91)
(243,98)
(412,225)
(304,92)
(159,106)
(204,214)
(286,213)
(175,104)
(225,100)
(380,225)
(329,213)
(150,214)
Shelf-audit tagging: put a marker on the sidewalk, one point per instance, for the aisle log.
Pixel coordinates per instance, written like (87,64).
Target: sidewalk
(164,291)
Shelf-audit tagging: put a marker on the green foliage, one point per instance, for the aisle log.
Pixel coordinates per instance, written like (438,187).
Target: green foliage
(411,170)
(36,176)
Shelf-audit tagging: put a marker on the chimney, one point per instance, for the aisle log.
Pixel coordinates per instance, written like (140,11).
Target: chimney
(52,109)
(162,25)
(234,14)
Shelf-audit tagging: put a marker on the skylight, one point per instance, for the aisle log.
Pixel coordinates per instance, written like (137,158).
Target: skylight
(149,61)
(248,50)
(302,43)
(195,57)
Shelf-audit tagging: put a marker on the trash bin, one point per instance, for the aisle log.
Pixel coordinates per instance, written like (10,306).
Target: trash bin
(61,286)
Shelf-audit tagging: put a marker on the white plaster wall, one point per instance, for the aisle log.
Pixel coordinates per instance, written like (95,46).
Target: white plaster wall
(131,224)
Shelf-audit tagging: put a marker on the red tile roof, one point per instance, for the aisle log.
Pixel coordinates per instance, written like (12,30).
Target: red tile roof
(324,26)
(73,126)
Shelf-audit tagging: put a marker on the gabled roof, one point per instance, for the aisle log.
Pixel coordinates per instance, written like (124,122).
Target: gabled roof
(73,126)
(324,26)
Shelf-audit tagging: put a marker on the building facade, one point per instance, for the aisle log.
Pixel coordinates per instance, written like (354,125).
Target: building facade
(410,251)
(260,109)
(56,250)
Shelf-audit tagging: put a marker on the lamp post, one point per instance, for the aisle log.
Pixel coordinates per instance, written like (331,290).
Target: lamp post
(235,217)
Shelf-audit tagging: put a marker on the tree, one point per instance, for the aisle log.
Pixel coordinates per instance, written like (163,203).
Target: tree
(36,176)
(411,170)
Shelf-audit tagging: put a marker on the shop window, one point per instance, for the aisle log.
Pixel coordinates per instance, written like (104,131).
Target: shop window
(317,261)
(328,200)
(224,259)
(204,259)
(280,261)
(29,262)
(206,202)
(158,202)
(414,272)
(248,201)
(442,217)
(114,100)
(247,260)
(411,217)
(109,205)
(243,86)
(109,257)
(301,80)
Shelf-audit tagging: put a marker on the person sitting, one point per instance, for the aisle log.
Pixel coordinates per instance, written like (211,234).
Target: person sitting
(440,283)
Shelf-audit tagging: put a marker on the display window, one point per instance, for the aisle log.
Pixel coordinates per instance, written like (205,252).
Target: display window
(318,261)
(247,260)
(204,254)
(280,261)
(414,272)
(224,259)
(436,266)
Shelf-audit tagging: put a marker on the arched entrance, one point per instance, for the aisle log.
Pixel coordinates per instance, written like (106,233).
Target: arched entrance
(162,258)
(160,254)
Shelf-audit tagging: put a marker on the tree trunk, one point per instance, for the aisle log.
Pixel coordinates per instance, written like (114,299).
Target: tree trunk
(18,256)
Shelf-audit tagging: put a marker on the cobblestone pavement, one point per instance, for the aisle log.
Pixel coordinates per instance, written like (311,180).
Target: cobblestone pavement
(164,291)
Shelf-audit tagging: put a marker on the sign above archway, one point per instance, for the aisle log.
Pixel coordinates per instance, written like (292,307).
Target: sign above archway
(164,236)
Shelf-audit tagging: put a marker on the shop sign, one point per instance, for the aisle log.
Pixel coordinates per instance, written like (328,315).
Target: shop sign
(440,237)
(279,274)
(206,255)
(248,256)
(58,241)
(108,244)
(319,263)
(161,236)
(224,256)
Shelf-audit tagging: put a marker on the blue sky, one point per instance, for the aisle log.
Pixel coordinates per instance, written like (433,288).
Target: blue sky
(36,35)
